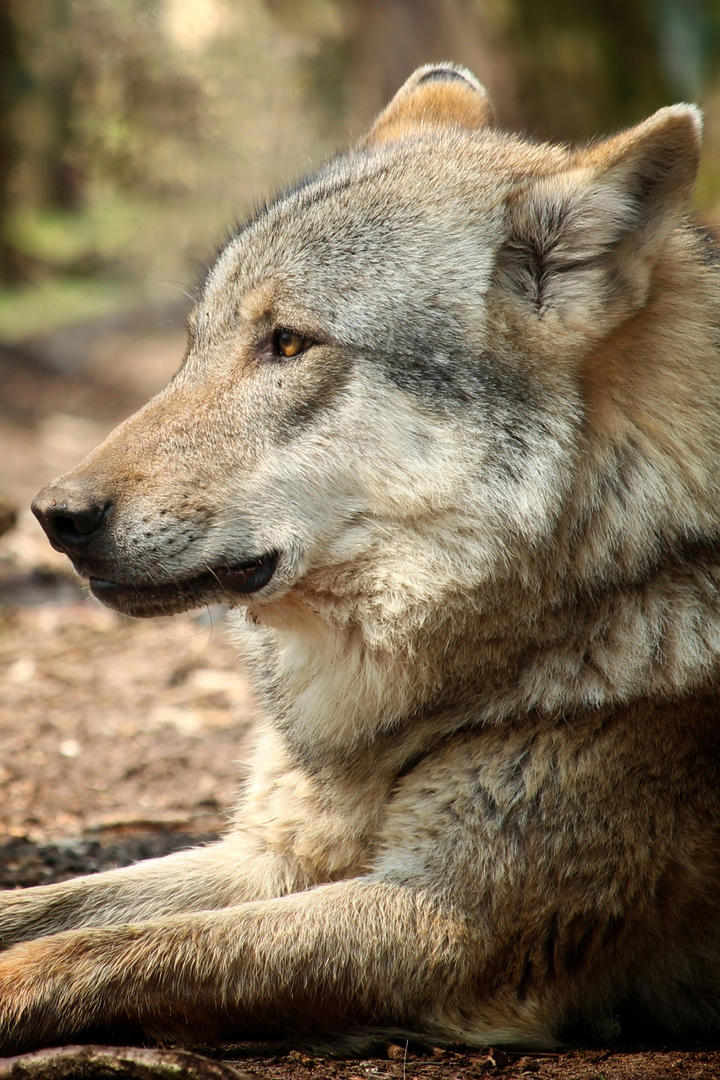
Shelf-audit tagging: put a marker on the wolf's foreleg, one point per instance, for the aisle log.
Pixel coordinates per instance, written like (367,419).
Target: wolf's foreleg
(219,875)
(358,952)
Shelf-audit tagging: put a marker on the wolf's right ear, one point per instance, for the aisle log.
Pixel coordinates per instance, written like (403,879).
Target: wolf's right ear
(583,242)
(436,95)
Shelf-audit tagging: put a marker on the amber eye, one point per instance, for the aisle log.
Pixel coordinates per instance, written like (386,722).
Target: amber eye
(288,343)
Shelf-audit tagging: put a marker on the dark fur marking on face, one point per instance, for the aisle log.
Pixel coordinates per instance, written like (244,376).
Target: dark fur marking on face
(505,395)
(456,377)
(321,397)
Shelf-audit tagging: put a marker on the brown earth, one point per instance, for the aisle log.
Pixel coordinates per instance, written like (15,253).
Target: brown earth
(123,739)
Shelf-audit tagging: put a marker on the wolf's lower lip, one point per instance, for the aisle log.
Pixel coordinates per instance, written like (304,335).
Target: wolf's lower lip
(242,579)
(249,577)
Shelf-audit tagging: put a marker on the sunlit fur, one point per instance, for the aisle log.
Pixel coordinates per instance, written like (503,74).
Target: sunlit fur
(484,803)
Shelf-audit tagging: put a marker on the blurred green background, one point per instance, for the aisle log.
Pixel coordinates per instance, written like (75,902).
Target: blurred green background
(132,132)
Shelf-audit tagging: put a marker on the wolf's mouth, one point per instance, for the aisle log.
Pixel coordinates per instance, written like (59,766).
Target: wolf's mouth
(240,579)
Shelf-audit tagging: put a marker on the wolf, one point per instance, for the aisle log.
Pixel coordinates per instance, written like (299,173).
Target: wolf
(445,438)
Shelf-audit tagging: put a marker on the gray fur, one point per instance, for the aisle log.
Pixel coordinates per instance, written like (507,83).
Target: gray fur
(479,510)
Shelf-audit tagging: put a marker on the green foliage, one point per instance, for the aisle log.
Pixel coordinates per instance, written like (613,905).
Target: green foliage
(56,300)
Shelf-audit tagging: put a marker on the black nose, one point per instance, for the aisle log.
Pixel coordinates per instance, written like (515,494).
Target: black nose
(70,517)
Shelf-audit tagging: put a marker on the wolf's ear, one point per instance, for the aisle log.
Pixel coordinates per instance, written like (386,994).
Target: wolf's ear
(582,243)
(436,95)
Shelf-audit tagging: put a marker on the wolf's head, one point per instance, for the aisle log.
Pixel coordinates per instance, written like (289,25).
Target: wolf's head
(385,396)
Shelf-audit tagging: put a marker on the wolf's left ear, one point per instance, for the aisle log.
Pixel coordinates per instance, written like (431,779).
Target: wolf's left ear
(436,95)
(582,243)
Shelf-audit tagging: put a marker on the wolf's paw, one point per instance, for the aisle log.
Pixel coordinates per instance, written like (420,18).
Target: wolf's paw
(35,990)
(48,990)
(26,993)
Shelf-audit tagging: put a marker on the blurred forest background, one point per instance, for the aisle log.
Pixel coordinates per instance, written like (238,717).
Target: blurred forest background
(132,132)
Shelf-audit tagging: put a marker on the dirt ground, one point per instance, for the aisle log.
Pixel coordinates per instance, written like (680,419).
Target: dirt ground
(123,739)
